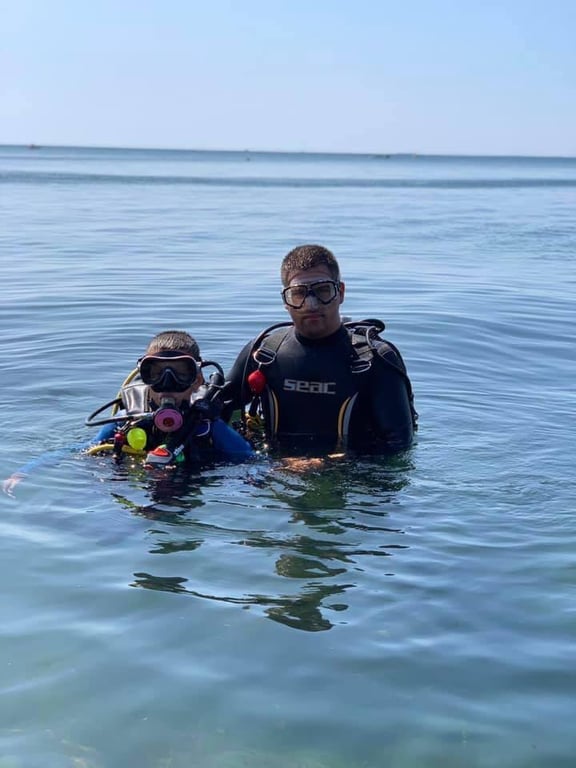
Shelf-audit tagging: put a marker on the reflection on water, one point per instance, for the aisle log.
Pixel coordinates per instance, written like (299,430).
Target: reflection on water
(169,492)
(312,533)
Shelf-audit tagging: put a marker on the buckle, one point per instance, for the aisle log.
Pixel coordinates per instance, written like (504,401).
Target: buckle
(360,366)
(264,356)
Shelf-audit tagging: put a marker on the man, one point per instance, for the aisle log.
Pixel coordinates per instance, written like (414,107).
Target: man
(319,383)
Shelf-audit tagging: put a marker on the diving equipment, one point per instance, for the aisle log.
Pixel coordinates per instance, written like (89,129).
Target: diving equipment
(157,427)
(168,373)
(168,417)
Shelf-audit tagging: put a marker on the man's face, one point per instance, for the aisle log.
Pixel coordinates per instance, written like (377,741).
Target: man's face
(320,298)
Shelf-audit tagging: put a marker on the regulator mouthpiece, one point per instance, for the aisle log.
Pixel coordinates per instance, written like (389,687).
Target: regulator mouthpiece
(168,418)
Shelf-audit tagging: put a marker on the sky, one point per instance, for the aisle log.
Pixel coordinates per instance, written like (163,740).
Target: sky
(481,77)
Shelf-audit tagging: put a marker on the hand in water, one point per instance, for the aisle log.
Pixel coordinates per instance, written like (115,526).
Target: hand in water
(300,465)
(11,482)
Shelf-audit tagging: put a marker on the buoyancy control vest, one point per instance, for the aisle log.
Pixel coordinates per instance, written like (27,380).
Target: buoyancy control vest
(365,349)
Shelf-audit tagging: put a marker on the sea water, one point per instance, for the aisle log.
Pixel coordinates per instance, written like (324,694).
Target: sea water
(410,611)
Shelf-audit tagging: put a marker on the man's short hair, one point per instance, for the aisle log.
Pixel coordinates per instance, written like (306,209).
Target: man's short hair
(306,257)
(174,341)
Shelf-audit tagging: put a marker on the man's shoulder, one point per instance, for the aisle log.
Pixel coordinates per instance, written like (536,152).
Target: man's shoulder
(366,339)
(388,351)
(277,333)
(269,338)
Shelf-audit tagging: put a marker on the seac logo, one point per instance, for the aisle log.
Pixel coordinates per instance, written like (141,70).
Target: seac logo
(312,387)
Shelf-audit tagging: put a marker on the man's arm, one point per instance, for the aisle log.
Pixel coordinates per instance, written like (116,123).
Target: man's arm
(391,399)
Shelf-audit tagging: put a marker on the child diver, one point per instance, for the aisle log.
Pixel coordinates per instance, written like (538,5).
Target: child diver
(166,412)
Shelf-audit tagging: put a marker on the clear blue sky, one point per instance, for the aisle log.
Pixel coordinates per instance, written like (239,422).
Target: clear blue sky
(426,76)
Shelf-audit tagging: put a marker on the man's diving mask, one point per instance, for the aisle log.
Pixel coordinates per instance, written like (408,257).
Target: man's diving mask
(168,371)
(325,291)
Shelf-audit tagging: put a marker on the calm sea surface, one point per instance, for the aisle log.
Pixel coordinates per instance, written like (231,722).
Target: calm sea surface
(415,612)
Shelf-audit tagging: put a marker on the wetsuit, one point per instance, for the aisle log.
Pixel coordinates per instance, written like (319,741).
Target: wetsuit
(321,393)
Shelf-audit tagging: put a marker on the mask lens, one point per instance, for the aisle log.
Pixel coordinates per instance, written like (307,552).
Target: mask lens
(295,296)
(324,290)
(167,372)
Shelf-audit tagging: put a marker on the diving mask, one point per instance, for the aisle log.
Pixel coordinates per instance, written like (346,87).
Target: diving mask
(168,372)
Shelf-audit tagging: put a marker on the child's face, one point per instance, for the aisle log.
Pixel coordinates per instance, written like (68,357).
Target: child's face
(178,397)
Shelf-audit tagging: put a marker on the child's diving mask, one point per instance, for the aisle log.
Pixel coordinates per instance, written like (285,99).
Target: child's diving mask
(168,371)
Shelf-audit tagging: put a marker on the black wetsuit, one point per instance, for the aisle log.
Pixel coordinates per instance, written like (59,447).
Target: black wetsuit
(314,396)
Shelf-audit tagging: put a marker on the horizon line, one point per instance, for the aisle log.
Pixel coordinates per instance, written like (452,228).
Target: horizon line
(246,151)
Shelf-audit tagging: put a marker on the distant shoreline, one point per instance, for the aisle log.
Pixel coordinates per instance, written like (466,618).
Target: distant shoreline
(263,152)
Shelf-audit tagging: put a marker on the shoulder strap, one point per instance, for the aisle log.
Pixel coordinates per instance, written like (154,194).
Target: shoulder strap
(371,324)
(367,344)
(268,343)
(262,352)
(364,337)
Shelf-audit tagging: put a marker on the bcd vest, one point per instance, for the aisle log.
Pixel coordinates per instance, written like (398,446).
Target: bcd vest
(366,348)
